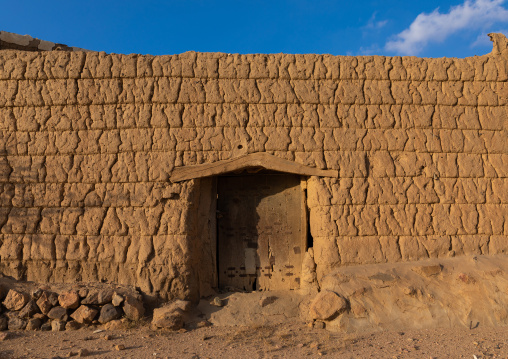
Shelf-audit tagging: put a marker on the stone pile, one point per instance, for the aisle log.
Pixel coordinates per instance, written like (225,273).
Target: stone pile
(44,309)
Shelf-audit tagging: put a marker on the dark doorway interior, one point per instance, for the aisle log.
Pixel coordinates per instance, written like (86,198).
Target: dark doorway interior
(261,231)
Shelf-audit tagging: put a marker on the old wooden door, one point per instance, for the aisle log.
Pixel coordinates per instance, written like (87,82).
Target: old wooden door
(261,229)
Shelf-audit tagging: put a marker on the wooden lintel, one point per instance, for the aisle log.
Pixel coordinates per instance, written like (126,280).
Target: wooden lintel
(259,159)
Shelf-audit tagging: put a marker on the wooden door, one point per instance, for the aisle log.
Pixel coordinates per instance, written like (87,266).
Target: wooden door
(261,236)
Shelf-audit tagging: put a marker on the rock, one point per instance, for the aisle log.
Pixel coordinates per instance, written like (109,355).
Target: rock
(105,296)
(5,336)
(118,324)
(117,299)
(326,305)
(46,327)
(3,323)
(319,325)
(107,337)
(170,316)
(308,274)
(83,292)
(120,347)
(217,302)
(69,300)
(133,308)
(36,293)
(16,323)
(33,324)
(15,300)
(44,303)
(203,324)
(53,299)
(108,313)
(29,310)
(72,325)
(58,313)
(264,301)
(92,298)
(429,270)
(57,325)
(84,314)
(11,314)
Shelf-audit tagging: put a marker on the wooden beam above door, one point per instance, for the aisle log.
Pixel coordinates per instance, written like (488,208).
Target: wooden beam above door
(254,160)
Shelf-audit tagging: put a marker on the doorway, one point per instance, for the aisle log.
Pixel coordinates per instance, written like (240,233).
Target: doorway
(261,231)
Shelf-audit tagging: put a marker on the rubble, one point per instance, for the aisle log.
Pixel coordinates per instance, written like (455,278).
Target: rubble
(327,304)
(15,300)
(63,308)
(170,316)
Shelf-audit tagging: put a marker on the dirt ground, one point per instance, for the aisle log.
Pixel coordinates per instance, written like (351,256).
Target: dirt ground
(290,340)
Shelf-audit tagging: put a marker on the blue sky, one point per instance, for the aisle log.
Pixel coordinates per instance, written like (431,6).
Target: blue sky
(376,27)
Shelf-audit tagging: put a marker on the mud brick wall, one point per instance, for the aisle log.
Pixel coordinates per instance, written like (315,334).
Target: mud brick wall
(88,142)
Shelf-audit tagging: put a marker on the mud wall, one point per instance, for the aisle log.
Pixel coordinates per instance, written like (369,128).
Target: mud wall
(88,142)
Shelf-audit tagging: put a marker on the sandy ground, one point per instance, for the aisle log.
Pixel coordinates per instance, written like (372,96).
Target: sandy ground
(290,340)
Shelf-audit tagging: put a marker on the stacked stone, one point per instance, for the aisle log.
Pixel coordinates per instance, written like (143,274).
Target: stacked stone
(43,309)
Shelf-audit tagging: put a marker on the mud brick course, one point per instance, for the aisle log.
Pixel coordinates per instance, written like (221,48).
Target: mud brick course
(88,142)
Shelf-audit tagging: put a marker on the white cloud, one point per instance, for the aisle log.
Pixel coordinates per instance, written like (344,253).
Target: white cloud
(372,24)
(436,26)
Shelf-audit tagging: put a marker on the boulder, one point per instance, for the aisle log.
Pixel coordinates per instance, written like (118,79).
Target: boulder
(53,299)
(36,293)
(117,299)
(46,327)
(217,302)
(92,298)
(57,325)
(108,313)
(171,315)
(326,305)
(44,303)
(105,296)
(15,300)
(133,308)
(83,292)
(118,324)
(69,300)
(29,310)
(84,314)
(33,324)
(58,313)
(72,325)
(40,316)
(16,323)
